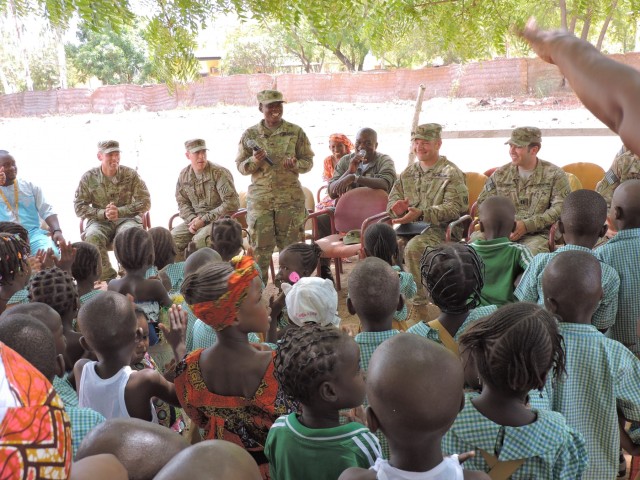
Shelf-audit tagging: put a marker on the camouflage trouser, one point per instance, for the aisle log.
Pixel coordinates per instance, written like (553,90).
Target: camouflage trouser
(182,236)
(270,228)
(413,253)
(101,234)
(535,242)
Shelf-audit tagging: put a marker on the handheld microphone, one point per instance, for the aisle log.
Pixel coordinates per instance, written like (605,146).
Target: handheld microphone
(256,148)
(362,152)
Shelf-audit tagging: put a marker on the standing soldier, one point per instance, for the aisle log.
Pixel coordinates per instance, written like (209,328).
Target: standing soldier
(204,192)
(112,198)
(274,152)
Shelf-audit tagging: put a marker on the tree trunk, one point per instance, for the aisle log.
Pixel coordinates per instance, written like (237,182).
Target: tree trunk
(62,58)
(343,58)
(6,87)
(563,14)
(572,27)
(23,50)
(587,25)
(605,25)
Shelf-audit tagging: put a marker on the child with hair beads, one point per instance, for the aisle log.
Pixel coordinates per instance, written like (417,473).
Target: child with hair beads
(452,277)
(504,261)
(86,270)
(295,261)
(380,241)
(374,295)
(110,329)
(582,222)
(320,367)
(513,350)
(229,389)
(601,373)
(14,269)
(414,404)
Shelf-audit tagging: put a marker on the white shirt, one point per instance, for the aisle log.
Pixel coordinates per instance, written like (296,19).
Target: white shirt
(448,469)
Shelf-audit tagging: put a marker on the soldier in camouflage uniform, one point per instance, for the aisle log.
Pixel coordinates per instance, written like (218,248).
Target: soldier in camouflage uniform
(536,187)
(431,190)
(275,200)
(111,197)
(625,166)
(204,192)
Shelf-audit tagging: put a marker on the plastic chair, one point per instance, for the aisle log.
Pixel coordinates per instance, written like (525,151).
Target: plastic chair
(475,183)
(588,173)
(357,209)
(318,195)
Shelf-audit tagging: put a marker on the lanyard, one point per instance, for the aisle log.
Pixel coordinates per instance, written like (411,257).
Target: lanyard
(15,196)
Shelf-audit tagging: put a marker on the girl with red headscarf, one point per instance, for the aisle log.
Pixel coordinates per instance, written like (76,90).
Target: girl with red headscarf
(229,389)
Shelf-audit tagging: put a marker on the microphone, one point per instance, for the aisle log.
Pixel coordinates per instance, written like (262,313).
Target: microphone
(256,148)
(362,152)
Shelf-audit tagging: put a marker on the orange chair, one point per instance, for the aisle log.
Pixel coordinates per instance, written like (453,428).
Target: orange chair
(356,209)
(588,173)
(475,183)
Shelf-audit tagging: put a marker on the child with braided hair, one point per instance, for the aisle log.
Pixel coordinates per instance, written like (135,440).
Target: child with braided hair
(86,270)
(380,241)
(452,275)
(320,367)
(513,351)
(14,267)
(164,248)
(226,238)
(229,389)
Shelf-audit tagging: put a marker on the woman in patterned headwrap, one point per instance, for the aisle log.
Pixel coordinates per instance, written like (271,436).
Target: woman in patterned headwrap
(340,145)
(229,389)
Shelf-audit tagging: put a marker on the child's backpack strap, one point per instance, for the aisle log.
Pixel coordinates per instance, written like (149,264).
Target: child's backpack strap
(501,470)
(445,336)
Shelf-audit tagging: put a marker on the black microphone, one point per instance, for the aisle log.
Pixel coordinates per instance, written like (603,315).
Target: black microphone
(256,148)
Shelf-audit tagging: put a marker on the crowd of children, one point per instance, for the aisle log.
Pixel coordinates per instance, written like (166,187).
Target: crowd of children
(530,369)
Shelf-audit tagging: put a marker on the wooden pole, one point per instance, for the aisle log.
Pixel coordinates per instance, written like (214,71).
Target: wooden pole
(416,118)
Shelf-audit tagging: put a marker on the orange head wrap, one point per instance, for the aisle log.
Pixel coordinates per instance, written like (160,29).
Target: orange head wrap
(343,139)
(221,313)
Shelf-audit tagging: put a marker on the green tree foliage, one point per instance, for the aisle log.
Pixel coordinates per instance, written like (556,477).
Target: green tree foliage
(251,50)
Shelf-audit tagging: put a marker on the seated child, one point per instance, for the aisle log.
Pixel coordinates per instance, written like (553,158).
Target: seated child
(452,277)
(504,261)
(621,253)
(582,222)
(229,389)
(40,346)
(142,447)
(134,251)
(14,269)
(56,288)
(413,403)
(513,351)
(312,299)
(602,375)
(86,270)
(374,295)
(211,460)
(380,241)
(226,238)
(110,329)
(164,248)
(319,367)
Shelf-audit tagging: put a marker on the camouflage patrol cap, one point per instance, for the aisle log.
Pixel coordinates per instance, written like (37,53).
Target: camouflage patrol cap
(265,97)
(524,136)
(195,145)
(108,146)
(427,131)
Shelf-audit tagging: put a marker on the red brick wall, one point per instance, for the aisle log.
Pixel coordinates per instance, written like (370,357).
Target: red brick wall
(495,78)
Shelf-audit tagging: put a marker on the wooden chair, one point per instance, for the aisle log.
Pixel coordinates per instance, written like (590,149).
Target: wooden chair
(588,173)
(356,209)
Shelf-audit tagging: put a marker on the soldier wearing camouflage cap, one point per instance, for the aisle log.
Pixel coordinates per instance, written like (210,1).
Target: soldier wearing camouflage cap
(536,187)
(274,152)
(205,192)
(111,198)
(432,190)
(625,166)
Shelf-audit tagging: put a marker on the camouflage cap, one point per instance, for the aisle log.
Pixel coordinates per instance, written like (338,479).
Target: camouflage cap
(195,145)
(108,146)
(524,136)
(427,131)
(265,97)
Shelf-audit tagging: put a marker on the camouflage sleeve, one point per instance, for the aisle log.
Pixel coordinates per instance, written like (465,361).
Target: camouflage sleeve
(387,172)
(141,200)
(610,181)
(488,190)
(397,193)
(230,201)
(560,189)
(187,212)
(244,158)
(304,153)
(83,202)
(454,203)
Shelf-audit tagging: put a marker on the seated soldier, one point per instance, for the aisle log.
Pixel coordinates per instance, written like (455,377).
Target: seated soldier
(204,192)
(112,198)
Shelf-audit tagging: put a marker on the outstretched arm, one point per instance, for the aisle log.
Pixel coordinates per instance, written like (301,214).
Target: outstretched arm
(609,89)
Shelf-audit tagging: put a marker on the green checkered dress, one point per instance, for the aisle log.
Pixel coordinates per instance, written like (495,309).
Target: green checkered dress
(424,330)
(83,420)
